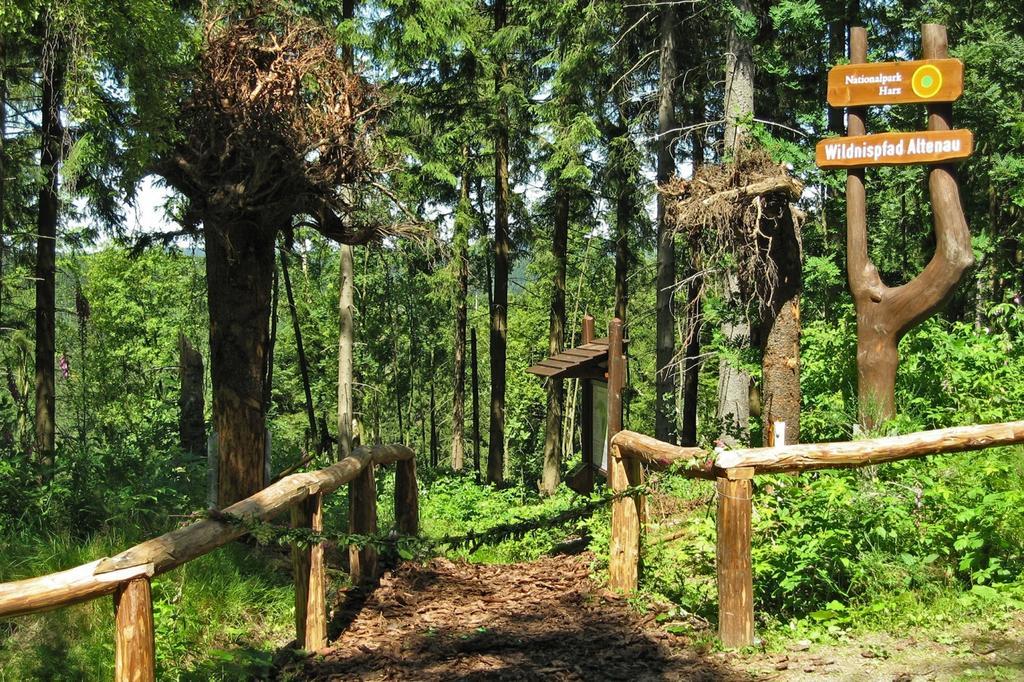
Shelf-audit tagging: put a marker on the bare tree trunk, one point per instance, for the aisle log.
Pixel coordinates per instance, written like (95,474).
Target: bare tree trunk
(463,220)
(46,251)
(665,379)
(303,365)
(499,307)
(885,314)
(780,336)
(625,200)
(239,274)
(434,445)
(476,406)
(691,364)
(694,310)
(733,383)
(346,342)
(552,474)
(191,420)
(739,83)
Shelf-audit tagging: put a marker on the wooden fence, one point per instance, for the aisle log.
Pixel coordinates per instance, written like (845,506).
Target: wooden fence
(733,472)
(127,576)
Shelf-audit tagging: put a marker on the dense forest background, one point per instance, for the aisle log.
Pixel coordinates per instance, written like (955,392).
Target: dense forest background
(528,139)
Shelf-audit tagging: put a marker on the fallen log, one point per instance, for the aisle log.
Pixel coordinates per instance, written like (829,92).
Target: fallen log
(172,549)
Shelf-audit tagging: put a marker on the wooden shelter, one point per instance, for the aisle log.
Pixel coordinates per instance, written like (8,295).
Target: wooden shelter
(589,363)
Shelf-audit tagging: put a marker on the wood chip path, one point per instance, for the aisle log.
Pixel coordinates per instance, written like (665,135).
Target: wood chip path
(543,620)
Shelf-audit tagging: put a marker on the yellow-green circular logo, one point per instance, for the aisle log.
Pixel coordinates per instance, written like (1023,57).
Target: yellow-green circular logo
(926,81)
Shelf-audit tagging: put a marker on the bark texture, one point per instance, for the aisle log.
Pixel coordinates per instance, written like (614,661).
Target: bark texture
(239,274)
(499,299)
(463,219)
(665,379)
(552,474)
(191,420)
(733,383)
(346,341)
(51,137)
(780,334)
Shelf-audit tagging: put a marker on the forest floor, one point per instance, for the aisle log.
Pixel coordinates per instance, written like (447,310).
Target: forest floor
(546,620)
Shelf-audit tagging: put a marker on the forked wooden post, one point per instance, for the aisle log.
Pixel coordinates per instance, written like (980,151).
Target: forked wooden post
(362,520)
(735,570)
(310,577)
(407,500)
(134,654)
(623,473)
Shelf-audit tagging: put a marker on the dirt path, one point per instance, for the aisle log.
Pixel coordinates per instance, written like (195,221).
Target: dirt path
(960,652)
(544,620)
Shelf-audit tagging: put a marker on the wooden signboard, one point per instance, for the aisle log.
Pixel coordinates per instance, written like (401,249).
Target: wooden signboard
(915,82)
(894,149)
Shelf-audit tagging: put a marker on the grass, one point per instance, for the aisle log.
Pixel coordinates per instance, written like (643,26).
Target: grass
(220,617)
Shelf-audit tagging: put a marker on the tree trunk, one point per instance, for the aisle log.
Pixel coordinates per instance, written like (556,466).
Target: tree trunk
(780,336)
(733,383)
(552,474)
(885,314)
(739,83)
(691,364)
(46,251)
(303,365)
(239,274)
(499,307)
(191,420)
(665,379)
(346,342)
(463,221)
(476,405)
(434,446)
(694,309)
(624,203)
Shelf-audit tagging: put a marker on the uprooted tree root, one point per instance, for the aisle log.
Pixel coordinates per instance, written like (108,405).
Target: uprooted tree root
(727,214)
(274,122)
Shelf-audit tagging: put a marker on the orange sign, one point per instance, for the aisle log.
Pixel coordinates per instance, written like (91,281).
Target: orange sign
(894,149)
(926,80)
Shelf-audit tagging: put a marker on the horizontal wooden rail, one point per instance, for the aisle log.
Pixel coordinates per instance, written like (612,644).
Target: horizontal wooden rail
(699,463)
(693,462)
(172,549)
(733,470)
(874,450)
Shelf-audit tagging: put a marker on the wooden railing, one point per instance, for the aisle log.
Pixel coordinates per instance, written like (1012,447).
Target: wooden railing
(733,471)
(127,576)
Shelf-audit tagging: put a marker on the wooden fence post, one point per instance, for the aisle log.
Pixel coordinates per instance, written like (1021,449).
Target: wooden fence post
(623,473)
(362,520)
(735,571)
(134,650)
(407,500)
(310,577)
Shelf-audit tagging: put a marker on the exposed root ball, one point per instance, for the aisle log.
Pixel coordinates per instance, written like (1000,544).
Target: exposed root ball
(726,212)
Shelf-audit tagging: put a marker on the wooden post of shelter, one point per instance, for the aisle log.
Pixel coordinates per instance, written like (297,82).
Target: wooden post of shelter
(623,473)
(733,561)
(310,577)
(134,650)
